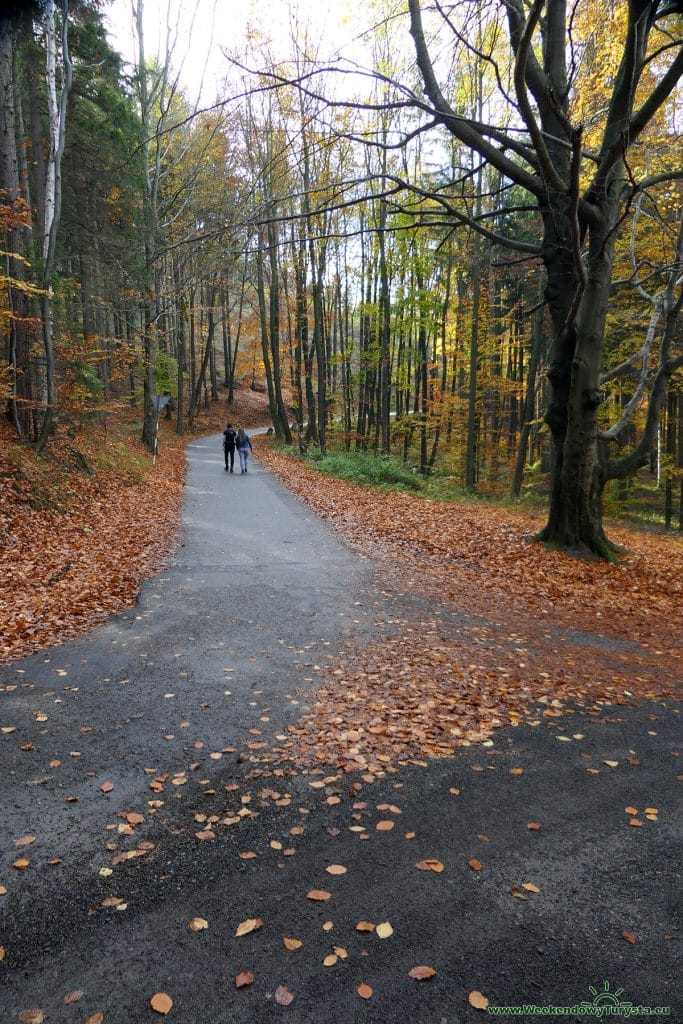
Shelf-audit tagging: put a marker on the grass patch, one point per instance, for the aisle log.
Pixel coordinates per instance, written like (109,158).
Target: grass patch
(368,469)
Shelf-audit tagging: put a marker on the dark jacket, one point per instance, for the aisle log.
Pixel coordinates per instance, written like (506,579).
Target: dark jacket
(229,438)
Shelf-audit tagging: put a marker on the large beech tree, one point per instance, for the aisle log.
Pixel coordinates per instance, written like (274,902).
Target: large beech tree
(582,196)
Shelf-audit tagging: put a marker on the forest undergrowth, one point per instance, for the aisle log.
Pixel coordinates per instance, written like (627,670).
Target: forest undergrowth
(83,524)
(510,632)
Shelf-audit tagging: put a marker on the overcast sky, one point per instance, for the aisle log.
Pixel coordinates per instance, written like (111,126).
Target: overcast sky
(205,27)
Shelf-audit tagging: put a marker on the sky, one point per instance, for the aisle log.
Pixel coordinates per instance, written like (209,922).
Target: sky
(204,28)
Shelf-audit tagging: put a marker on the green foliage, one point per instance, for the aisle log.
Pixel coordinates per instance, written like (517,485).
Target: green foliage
(366,468)
(167,374)
(124,460)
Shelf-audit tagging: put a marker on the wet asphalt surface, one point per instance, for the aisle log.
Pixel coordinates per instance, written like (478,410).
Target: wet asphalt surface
(220,653)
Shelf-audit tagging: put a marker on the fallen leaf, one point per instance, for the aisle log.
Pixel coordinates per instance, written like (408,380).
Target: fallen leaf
(283,997)
(95,1018)
(2,953)
(330,960)
(477,1000)
(32,1016)
(243,979)
(107,787)
(198,924)
(247,855)
(421,972)
(518,893)
(384,930)
(430,865)
(364,991)
(630,937)
(252,924)
(517,771)
(292,943)
(162,1003)
(636,822)
(25,841)
(530,887)
(384,826)
(611,764)
(336,869)
(631,810)
(21,863)
(533,826)
(328,926)
(365,926)
(74,997)
(474,864)
(319,895)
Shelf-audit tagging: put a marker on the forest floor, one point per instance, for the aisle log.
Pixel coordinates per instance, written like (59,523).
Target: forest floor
(396,773)
(621,624)
(84,524)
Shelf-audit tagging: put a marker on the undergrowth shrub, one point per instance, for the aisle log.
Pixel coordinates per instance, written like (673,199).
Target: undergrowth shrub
(366,468)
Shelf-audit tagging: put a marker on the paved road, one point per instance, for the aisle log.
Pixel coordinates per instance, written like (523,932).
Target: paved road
(220,652)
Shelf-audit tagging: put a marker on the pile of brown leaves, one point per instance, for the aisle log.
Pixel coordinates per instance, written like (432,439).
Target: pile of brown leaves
(544,633)
(480,558)
(83,525)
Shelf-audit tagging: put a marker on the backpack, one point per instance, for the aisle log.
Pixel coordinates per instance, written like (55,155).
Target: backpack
(229,437)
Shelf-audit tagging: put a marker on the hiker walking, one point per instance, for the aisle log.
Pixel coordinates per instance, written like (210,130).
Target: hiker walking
(243,447)
(229,442)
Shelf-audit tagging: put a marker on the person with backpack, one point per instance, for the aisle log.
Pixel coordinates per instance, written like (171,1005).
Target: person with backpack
(229,442)
(243,447)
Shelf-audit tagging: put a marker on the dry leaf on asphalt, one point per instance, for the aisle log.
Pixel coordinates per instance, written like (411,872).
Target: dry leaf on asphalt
(336,869)
(421,972)
(283,997)
(430,865)
(73,997)
(95,1018)
(198,924)
(630,937)
(365,926)
(319,895)
(25,841)
(364,991)
(474,864)
(478,1000)
(530,887)
(384,826)
(32,1016)
(107,787)
(252,924)
(162,1003)
(243,979)
(384,930)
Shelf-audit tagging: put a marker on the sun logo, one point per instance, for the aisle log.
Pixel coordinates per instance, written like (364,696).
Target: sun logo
(604,997)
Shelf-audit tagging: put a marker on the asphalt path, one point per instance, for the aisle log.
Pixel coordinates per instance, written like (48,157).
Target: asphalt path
(221,652)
